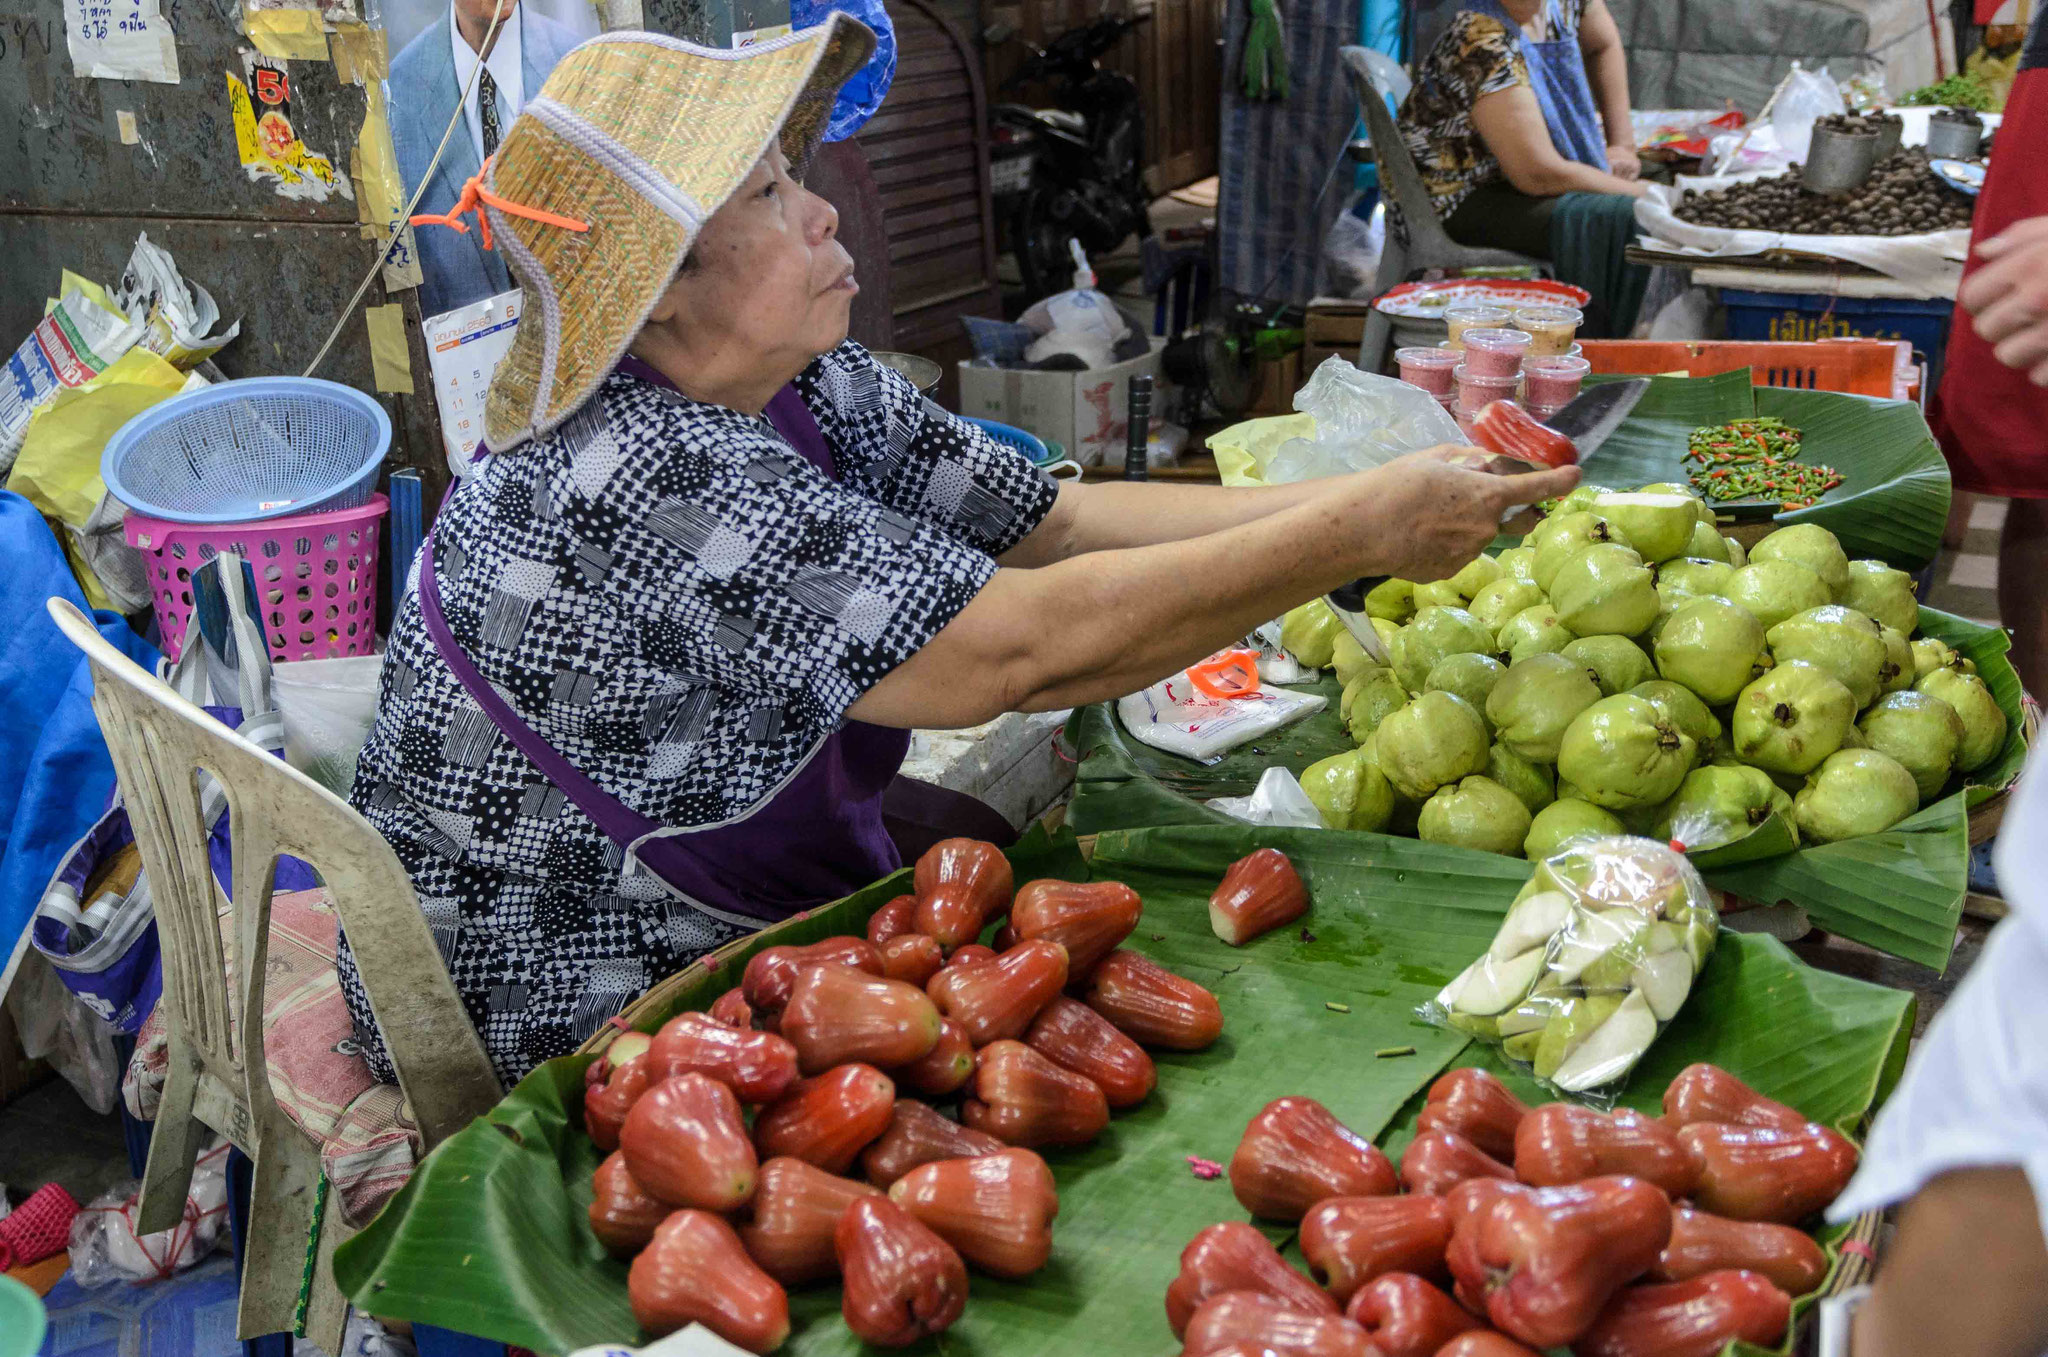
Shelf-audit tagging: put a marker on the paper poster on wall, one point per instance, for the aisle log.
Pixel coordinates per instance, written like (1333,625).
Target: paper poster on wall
(463,349)
(120,40)
(270,148)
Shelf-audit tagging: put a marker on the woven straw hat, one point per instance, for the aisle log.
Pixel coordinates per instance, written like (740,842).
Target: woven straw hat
(641,137)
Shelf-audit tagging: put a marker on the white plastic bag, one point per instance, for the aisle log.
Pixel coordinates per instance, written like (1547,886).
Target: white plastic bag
(328,707)
(56,1026)
(1173,716)
(1807,95)
(1363,420)
(105,1247)
(1277,800)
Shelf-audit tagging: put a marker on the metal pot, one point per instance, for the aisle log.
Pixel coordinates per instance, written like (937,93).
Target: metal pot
(1953,138)
(923,373)
(1890,129)
(1838,161)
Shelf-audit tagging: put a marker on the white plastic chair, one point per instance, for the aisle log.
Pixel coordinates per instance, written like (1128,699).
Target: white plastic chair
(1375,80)
(217,1078)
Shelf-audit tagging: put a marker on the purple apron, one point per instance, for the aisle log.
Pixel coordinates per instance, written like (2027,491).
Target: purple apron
(843,820)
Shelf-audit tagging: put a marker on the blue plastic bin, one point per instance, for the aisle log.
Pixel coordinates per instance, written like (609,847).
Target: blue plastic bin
(1774,316)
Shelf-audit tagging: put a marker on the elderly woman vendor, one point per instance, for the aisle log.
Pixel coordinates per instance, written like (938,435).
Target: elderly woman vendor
(670,638)
(1519,123)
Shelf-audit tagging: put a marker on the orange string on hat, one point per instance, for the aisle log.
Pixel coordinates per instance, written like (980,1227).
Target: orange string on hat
(474,193)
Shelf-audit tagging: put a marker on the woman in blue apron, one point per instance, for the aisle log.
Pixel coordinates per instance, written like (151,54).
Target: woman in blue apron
(1519,124)
(669,639)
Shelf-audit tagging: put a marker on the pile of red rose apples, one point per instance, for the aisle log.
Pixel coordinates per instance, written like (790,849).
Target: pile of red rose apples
(1616,1235)
(832,1045)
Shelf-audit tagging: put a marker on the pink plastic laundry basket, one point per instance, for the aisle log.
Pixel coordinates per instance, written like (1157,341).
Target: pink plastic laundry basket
(315,573)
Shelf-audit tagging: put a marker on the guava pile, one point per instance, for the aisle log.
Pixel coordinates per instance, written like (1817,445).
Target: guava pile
(1628,669)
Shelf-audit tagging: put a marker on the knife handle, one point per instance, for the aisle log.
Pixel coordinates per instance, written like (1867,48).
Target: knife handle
(1351,597)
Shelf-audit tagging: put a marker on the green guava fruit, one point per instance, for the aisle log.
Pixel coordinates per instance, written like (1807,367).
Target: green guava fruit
(1520,562)
(1350,791)
(1775,590)
(1810,545)
(1702,511)
(1983,719)
(1435,633)
(1352,687)
(1434,740)
(1694,576)
(1923,733)
(1618,664)
(1470,676)
(1406,809)
(1309,633)
(1898,673)
(1477,573)
(1533,782)
(1843,641)
(1854,792)
(1536,700)
(1658,526)
(1738,554)
(1683,708)
(1392,599)
(1374,696)
(1578,498)
(1385,630)
(1710,646)
(1623,754)
(1532,631)
(1886,594)
(1605,590)
(1714,806)
(1565,822)
(1930,654)
(1477,813)
(1438,594)
(1792,718)
(1502,599)
(1348,658)
(1574,1020)
(1567,537)
(1708,545)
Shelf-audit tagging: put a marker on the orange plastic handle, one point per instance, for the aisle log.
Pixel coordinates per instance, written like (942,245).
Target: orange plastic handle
(1226,674)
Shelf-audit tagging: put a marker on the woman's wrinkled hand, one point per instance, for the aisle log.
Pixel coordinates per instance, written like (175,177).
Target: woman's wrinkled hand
(1432,511)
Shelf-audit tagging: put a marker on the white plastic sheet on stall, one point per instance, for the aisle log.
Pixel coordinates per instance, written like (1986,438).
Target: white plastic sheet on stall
(1172,715)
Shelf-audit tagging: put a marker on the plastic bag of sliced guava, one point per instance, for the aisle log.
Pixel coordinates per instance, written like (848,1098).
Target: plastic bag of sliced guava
(1596,955)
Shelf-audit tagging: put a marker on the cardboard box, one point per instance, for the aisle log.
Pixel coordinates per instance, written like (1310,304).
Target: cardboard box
(1274,385)
(1336,324)
(1087,413)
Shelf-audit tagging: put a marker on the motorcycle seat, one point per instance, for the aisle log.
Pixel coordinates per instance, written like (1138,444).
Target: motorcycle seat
(1064,120)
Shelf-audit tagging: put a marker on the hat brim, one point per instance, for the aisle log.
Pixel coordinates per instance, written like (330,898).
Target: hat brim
(642,137)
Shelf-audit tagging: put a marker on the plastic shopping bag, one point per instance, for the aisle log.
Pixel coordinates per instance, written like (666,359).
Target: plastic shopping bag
(1597,954)
(1173,715)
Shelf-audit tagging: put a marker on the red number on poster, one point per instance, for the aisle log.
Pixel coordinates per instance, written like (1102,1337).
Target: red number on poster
(271,86)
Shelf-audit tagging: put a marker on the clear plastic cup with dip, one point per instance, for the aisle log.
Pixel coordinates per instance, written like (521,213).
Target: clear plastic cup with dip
(1477,391)
(1474,316)
(1552,328)
(1429,369)
(1553,381)
(1496,353)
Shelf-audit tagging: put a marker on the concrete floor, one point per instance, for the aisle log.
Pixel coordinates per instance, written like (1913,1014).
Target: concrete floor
(47,1135)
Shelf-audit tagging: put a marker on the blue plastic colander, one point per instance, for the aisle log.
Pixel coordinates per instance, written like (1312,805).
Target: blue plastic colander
(244,451)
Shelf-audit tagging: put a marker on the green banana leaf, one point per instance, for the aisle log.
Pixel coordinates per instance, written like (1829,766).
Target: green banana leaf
(1900,891)
(490,1238)
(1894,496)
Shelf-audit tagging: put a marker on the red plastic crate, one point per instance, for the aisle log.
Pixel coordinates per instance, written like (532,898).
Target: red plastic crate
(1862,367)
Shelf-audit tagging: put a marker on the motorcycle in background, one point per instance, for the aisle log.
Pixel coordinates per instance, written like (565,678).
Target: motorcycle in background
(1075,171)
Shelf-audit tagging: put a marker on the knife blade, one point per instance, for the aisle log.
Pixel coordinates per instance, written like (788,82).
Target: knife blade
(1587,420)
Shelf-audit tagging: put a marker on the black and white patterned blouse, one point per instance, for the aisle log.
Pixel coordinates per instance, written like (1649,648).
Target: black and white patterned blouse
(684,607)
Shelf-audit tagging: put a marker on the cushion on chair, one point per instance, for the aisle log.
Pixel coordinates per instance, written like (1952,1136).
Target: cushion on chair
(368,1140)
